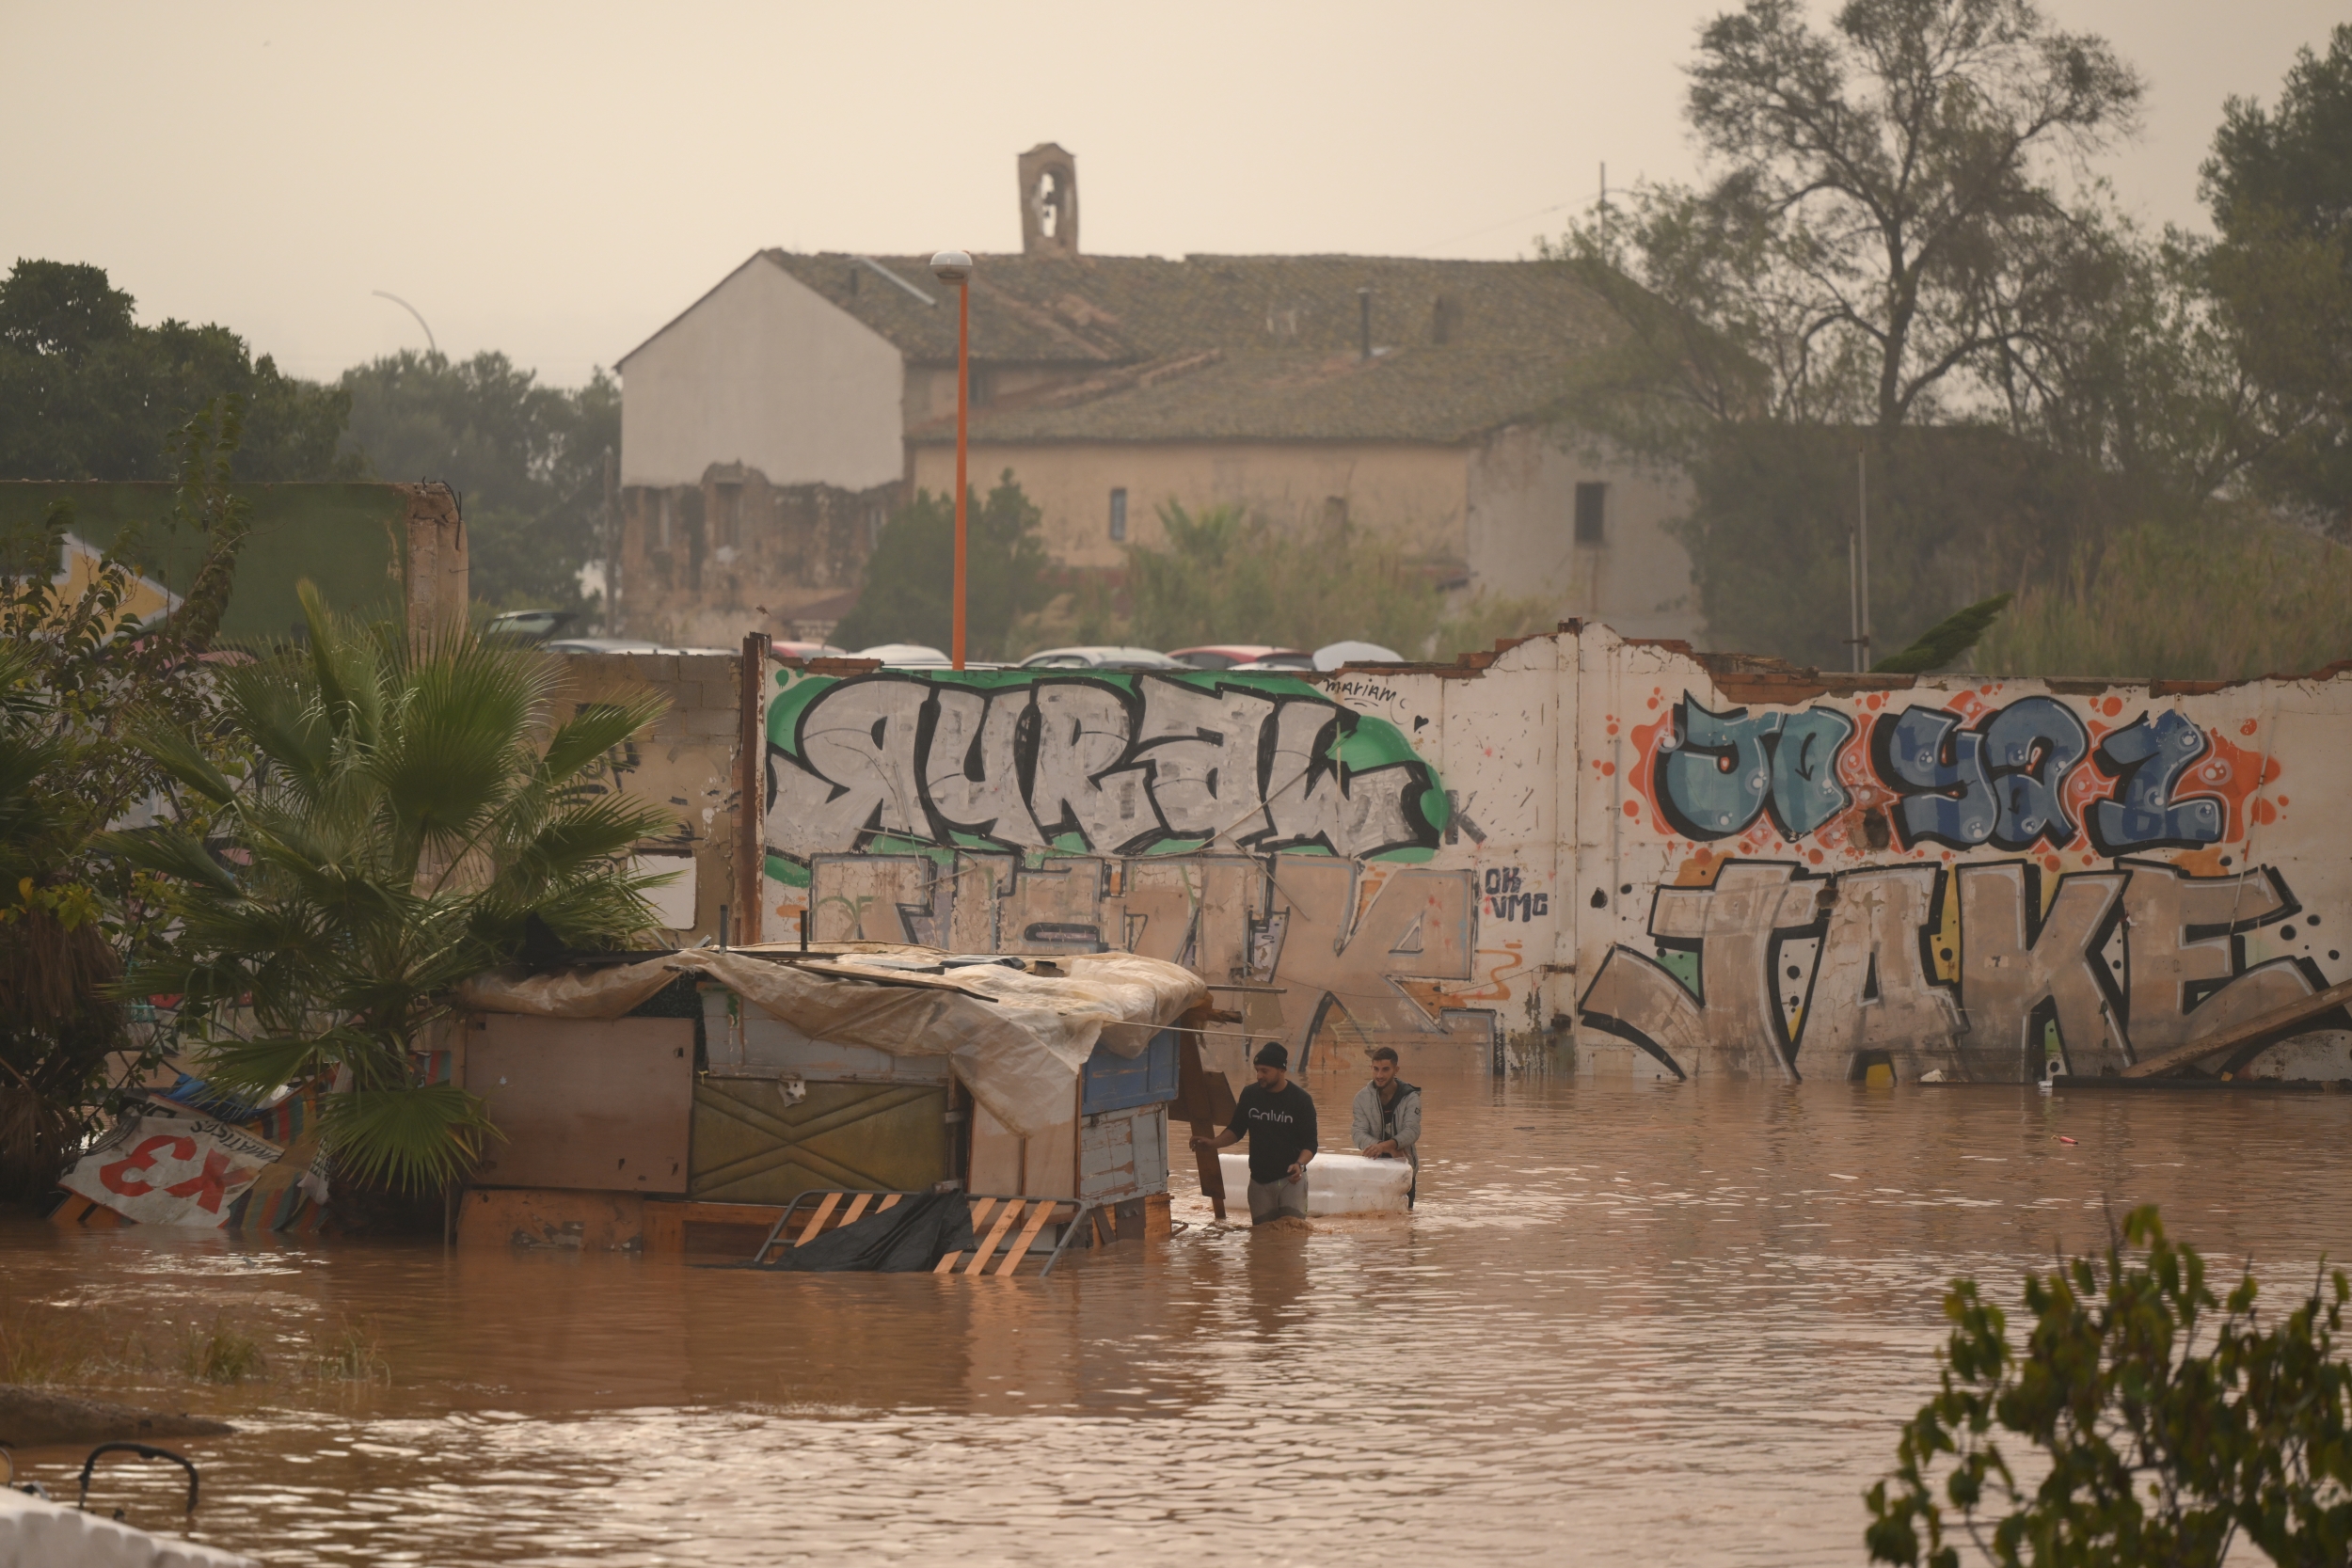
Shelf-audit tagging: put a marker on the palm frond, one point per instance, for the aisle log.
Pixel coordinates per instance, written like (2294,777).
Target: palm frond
(171,852)
(258,1067)
(599,728)
(1945,641)
(179,756)
(418,1137)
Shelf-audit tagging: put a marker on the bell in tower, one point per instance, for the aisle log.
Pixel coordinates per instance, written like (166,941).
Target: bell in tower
(1049,201)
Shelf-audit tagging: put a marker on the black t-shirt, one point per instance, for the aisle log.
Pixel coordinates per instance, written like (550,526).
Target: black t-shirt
(1279,1123)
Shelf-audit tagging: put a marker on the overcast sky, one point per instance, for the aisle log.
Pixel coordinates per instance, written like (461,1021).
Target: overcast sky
(557,181)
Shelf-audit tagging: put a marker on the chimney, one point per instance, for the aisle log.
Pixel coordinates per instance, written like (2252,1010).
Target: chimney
(1049,201)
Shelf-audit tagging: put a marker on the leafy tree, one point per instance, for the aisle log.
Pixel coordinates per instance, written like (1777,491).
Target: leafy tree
(527,461)
(70,914)
(1885,218)
(910,582)
(85,393)
(414,809)
(2171,1423)
(2280,186)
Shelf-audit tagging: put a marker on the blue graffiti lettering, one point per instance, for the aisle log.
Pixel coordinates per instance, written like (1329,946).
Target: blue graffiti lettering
(2149,757)
(1939,770)
(1721,771)
(2003,784)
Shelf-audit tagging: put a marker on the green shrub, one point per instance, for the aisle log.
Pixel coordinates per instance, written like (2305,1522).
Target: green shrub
(2171,1423)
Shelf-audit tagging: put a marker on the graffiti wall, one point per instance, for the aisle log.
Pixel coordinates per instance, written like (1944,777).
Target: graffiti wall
(1279,837)
(1588,854)
(1792,878)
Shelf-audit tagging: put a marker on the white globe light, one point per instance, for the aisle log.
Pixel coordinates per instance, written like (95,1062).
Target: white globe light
(951,266)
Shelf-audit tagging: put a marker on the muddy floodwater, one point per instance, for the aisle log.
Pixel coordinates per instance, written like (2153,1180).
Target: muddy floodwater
(1647,1324)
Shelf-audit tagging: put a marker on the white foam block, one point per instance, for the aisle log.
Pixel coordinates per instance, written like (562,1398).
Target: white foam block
(39,1534)
(1336,1183)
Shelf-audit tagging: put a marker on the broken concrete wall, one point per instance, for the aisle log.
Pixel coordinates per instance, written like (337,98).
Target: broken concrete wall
(685,763)
(701,565)
(1604,855)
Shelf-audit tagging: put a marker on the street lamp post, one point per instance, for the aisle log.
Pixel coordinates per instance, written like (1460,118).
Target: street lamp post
(954,267)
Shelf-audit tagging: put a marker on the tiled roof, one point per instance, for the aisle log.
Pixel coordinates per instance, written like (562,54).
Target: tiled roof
(1238,347)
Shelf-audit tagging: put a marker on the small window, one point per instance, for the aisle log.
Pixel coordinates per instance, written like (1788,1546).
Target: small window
(1118,514)
(1591,505)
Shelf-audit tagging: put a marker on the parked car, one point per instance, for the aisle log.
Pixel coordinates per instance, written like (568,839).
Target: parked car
(623,645)
(1332,654)
(604,645)
(526,627)
(1100,657)
(807,650)
(907,656)
(1258,655)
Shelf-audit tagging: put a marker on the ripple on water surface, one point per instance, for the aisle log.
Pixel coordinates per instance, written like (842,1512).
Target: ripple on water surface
(1670,1323)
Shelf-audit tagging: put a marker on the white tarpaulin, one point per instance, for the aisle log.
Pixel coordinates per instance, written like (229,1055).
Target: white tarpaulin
(162,1166)
(1017,1039)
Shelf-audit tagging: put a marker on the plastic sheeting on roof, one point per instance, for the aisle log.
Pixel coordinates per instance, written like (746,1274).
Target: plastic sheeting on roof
(1017,1039)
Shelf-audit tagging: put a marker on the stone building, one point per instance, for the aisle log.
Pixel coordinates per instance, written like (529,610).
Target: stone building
(784,410)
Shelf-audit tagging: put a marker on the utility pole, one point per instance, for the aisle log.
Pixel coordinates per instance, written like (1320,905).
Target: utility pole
(612,551)
(1858,560)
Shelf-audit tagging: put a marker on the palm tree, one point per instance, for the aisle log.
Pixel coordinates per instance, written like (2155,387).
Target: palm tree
(413,808)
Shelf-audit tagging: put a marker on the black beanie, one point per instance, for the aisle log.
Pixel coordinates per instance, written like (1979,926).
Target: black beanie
(1272,1054)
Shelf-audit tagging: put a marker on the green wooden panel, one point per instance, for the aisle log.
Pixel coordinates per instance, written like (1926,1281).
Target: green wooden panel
(347,538)
(754,1145)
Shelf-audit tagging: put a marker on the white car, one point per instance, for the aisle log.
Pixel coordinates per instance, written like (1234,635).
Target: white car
(906,655)
(1102,657)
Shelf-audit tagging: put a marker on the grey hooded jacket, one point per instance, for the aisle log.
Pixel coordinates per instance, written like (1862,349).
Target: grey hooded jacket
(1366,1121)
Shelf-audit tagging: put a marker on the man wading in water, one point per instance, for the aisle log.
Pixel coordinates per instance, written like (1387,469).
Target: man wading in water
(1278,1119)
(1387,1119)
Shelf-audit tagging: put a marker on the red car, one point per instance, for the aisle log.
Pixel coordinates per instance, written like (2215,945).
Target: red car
(1224,655)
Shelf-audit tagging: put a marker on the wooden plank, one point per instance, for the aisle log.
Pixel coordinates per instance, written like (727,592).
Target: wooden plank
(947,1265)
(817,1221)
(857,1206)
(1004,1223)
(664,1229)
(1038,1217)
(2277,1021)
(890,1201)
(980,1212)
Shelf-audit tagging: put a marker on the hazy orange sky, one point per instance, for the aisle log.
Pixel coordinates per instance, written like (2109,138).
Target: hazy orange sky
(558,181)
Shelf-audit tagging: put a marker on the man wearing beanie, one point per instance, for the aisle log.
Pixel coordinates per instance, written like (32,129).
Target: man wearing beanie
(1278,1119)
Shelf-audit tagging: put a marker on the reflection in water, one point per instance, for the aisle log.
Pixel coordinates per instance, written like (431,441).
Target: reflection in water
(1682,1319)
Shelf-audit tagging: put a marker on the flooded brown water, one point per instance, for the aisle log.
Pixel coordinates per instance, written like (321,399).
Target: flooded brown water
(1629,1325)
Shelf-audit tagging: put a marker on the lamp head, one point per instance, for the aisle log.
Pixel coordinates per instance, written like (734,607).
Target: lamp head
(951,266)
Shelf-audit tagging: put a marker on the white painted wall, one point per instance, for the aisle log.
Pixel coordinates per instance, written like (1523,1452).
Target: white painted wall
(763,371)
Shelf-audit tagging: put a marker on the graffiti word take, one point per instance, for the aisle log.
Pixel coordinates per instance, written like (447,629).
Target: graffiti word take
(1970,972)
(1506,900)
(1168,766)
(1720,772)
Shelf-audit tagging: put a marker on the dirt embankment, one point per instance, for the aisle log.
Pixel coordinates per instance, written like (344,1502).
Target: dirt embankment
(34,1418)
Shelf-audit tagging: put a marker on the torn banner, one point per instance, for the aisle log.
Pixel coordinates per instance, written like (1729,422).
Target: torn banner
(163,1166)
